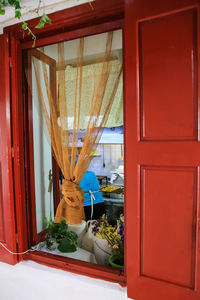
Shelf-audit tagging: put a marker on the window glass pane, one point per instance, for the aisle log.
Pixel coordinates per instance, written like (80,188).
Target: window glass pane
(42,160)
(103,180)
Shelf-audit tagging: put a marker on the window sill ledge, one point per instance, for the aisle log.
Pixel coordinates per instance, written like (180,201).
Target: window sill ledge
(77,267)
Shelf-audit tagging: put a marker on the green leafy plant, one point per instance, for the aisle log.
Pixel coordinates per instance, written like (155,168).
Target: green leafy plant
(25,27)
(12,3)
(16,4)
(66,240)
(44,20)
(58,235)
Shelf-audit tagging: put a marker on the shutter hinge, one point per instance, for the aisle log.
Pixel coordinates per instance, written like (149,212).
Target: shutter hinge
(12,151)
(10,62)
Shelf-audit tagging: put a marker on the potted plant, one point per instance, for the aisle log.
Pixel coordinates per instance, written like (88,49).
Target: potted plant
(109,242)
(116,260)
(59,237)
(102,250)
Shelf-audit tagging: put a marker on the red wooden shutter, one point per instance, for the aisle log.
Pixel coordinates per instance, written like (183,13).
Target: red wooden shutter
(163,149)
(7,219)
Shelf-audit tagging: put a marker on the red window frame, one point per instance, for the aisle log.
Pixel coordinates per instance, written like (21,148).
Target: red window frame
(35,237)
(68,24)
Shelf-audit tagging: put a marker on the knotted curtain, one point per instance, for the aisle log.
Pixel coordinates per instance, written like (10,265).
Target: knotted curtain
(58,118)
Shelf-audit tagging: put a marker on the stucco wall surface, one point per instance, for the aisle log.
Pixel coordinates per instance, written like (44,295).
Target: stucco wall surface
(30,281)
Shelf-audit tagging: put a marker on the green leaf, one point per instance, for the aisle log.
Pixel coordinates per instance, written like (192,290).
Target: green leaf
(2,11)
(58,231)
(50,221)
(17,4)
(72,235)
(40,24)
(25,26)
(66,245)
(18,14)
(11,2)
(46,19)
(4,3)
(67,240)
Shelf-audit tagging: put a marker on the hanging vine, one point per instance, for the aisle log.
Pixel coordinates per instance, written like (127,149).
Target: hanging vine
(16,4)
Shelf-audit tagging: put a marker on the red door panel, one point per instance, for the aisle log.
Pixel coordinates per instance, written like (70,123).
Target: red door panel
(2,230)
(163,54)
(7,221)
(168,250)
(163,149)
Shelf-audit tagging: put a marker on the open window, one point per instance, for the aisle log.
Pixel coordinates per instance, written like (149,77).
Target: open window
(40,153)
(64,86)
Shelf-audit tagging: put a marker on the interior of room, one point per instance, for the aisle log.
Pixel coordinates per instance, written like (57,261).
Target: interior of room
(107,153)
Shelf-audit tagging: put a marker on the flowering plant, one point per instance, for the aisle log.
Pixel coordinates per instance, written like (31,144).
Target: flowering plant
(114,235)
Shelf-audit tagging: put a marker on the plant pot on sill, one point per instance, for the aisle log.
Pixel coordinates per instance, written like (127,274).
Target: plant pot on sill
(102,251)
(116,261)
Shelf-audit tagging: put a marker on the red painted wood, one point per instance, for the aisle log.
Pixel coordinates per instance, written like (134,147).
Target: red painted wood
(164,51)
(162,153)
(56,185)
(2,231)
(27,149)
(30,157)
(7,217)
(55,167)
(35,237)
(77,33)
(77,266)
(163,190)
(18,136)
(73,18)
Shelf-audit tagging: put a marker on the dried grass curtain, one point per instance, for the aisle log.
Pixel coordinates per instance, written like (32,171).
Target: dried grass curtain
(63,140)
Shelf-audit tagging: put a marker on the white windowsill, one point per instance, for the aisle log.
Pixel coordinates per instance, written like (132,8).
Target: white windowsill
(29,280)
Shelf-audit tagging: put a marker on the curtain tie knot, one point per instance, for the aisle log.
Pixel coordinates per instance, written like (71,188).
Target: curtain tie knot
(72,193)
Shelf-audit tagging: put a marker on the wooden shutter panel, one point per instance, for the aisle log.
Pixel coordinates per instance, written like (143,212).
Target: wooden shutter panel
(7,218)
(163,149)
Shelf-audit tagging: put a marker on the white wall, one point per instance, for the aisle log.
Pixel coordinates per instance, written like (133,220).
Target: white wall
(31,281)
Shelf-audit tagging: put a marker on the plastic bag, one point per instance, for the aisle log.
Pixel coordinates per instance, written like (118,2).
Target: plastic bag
(87,241)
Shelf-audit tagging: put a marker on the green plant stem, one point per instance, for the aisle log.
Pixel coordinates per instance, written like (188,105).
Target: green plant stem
(16,4)
(26,27)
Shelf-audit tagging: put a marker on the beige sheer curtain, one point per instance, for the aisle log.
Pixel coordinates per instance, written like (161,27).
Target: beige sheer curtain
(64,139)
(90,72)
